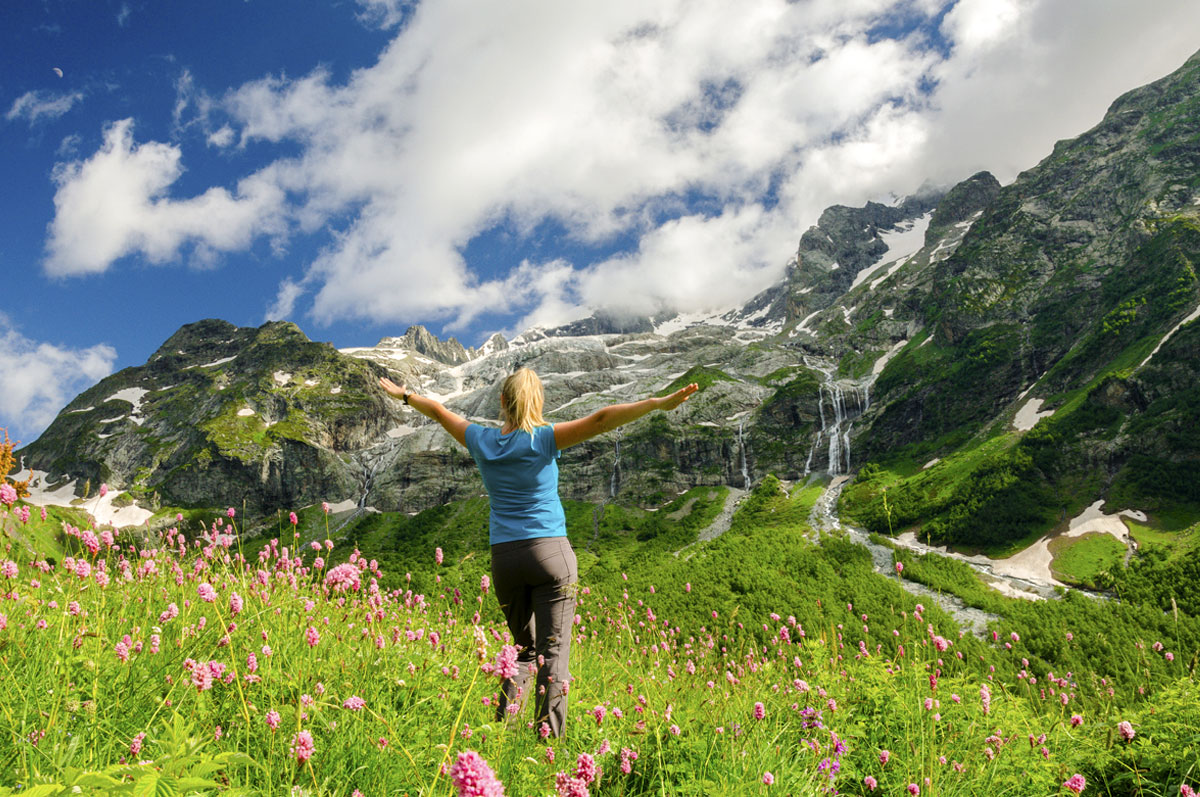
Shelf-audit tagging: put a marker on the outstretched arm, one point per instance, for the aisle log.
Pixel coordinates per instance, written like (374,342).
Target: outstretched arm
(452,422)
(603,420)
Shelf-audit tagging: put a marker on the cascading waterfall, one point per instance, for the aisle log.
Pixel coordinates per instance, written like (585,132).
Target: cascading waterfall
(847,401)
(614,484)
(371,462)
(615,481)
(742,447)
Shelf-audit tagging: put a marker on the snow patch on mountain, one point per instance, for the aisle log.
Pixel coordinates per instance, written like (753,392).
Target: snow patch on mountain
(902,243)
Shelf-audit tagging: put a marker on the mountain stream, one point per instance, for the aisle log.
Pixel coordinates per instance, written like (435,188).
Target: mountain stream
(824,519)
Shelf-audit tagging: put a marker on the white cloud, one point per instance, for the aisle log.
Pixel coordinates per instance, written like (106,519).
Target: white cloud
(222,137)
(116,203)
(38,379)
(38,105)
(456,128)
(976,24)
(384,13)
(1002,106)
(611,119)
(285,301)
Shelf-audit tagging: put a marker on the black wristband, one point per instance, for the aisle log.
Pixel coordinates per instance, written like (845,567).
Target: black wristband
(405,399)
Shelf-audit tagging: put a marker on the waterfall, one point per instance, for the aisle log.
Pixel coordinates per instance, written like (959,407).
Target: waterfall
(847,401)
(614,484)
(742,447)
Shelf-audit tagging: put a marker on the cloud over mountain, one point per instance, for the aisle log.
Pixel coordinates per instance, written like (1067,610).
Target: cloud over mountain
(688,143)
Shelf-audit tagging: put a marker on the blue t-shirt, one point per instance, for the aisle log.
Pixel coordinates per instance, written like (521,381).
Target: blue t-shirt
(520,472)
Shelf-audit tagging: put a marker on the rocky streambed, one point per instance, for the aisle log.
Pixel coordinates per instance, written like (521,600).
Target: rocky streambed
(825,520)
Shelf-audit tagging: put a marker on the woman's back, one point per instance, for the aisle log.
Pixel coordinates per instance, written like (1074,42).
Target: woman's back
(520,472)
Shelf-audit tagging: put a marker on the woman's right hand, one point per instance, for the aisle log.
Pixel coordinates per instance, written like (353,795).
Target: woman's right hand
(392,388)
(678,397)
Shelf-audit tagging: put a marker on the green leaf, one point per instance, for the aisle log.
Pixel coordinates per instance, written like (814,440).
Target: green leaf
(44,790)
(234,757)
(146,786)
(96,779)
(187,784)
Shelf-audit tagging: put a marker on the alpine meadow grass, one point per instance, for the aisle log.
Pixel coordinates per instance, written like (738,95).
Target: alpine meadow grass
(181,662)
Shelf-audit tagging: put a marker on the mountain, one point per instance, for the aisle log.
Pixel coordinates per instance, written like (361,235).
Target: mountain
(910,342)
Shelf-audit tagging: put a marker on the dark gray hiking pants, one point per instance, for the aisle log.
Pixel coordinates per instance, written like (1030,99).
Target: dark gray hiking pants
(535,585)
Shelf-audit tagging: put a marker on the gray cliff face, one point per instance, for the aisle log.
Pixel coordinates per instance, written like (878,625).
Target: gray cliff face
(912,328)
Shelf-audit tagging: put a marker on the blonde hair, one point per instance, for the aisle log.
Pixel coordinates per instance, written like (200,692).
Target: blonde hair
(523,400)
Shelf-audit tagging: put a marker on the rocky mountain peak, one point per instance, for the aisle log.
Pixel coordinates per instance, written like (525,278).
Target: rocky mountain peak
(961,203)
(419,339)
(603,323)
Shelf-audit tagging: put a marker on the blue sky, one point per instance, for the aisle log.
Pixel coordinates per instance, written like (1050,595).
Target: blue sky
(357,167)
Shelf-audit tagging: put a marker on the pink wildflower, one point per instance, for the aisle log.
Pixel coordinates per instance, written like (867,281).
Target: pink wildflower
(598,712)
(899,568)
(135,747)
(206,592)
(760,711)
(171,612)
(354,703)
(230,512)
(303,746)
(884,755)
(292,518)
(8,568)
(567,786)
(344,577)
(8,494)
(103,490)
(474,778)
(1075,783)
(312,636)
(202,678)
(1126,731)
(325,507)
(586,769)
(768,778)
(870,783)
(914,789)
(437,556)
(1076,720)
(506,662)
(484,584)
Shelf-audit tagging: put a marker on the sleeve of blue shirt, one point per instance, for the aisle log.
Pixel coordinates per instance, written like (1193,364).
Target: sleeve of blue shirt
(471,437)
(544,442)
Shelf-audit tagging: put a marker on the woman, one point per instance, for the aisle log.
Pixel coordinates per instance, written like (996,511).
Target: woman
(533,566)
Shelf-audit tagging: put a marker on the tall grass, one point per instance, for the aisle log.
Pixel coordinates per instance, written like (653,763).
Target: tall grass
(180,663)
